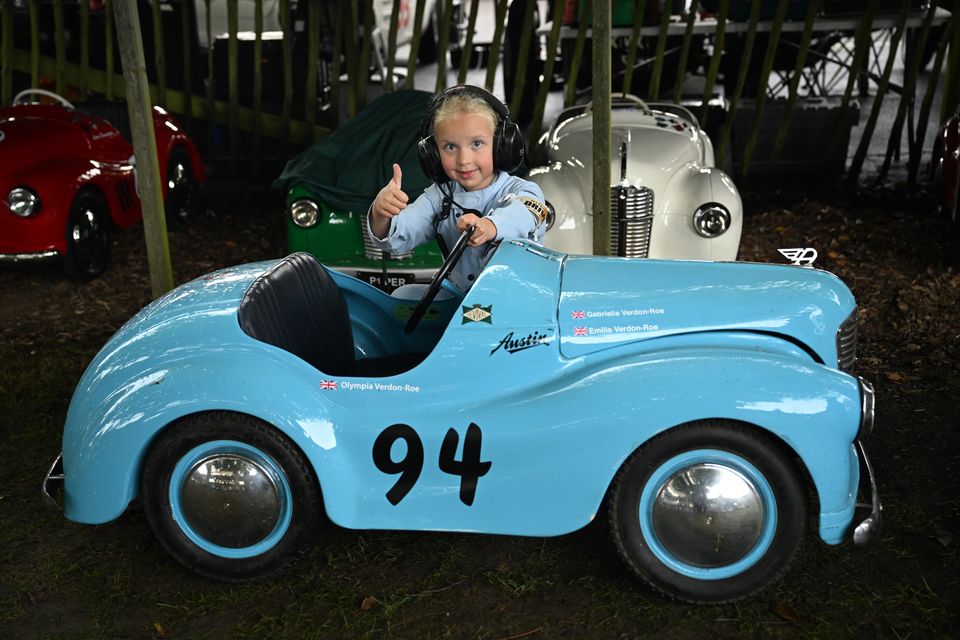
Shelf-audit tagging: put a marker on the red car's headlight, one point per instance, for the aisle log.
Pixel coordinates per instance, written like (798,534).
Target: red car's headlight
(23,202)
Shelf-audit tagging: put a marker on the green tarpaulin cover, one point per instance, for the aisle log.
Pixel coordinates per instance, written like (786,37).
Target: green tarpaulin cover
(348,169)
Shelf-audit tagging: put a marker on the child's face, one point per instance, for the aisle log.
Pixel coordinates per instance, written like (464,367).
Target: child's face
(465,142)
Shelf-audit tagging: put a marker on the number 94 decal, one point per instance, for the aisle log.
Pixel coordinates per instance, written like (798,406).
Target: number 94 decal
(468,467)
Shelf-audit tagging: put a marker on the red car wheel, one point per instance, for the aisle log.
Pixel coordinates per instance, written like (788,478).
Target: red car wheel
(88,237)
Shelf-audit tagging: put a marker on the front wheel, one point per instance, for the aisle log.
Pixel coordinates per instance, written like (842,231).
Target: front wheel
(229,496)
(709,512)
(88,237)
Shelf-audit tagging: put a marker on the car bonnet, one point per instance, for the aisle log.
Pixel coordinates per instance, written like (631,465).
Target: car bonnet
(23,140)
(655,144)
(608,302)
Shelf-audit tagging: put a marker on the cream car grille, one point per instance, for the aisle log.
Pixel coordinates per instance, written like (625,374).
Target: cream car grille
(373,252)
(631,218)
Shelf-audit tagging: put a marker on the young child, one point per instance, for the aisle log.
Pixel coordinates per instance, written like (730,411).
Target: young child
(468,146)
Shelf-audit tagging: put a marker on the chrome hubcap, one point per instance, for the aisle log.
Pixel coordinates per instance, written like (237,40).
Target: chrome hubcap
(708,515)
(230,500)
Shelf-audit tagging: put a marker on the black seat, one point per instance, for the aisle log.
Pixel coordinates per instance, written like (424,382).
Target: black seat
(296,306)
(113,111)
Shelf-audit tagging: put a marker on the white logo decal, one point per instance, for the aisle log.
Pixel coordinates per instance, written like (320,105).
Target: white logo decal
(802,257)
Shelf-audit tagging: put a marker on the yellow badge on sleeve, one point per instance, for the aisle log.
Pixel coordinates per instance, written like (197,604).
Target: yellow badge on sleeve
(534,206)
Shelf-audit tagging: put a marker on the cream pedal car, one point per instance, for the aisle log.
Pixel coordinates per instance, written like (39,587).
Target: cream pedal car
(668,199)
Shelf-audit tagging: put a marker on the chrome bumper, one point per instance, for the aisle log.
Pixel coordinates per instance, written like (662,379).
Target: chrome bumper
(17,258)
(52,489)
(867,529)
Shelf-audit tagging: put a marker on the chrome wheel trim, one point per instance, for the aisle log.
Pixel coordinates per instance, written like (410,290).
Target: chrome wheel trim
(179,189)
(263,506)
(684,543)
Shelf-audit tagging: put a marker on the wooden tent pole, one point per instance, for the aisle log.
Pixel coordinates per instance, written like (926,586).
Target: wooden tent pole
(144,144)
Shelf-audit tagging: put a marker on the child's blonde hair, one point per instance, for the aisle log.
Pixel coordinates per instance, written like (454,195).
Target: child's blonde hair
(463,103)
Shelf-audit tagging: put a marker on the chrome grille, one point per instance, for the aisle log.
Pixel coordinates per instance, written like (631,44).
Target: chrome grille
(631,218)
(373,252)
(847,341)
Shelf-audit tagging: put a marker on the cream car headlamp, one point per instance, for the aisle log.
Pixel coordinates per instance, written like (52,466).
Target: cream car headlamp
(304,213)
(23,202)
(711,220)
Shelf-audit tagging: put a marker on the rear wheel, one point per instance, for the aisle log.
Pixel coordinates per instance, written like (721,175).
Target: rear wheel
(229,496)
(88,237)
(709,512)
(179,188)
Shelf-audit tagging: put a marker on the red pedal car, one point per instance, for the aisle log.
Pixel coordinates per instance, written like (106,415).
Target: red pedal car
(68,178)
(946,166)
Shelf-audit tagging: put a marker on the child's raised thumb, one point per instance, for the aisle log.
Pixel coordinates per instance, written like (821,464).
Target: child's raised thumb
(397,174)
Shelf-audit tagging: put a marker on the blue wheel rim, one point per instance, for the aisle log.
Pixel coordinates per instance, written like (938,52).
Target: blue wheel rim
(257,457)
(685,460)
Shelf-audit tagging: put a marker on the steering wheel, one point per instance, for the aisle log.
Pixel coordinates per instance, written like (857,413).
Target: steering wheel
(434,287)
(17,99)
(623,97)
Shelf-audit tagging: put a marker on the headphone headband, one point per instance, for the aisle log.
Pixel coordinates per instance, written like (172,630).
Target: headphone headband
(508,149)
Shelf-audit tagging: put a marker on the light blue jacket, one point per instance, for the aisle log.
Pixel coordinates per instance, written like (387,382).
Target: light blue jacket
(501,202)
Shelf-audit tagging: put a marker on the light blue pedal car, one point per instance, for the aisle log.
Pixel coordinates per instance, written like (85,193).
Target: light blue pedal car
(706,406)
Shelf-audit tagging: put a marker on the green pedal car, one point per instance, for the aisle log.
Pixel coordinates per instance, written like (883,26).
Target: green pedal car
(329,188)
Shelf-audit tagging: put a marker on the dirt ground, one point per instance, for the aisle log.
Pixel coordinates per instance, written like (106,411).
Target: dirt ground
(63,580)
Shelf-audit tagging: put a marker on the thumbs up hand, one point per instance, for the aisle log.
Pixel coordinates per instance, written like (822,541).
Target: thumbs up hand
(391,200)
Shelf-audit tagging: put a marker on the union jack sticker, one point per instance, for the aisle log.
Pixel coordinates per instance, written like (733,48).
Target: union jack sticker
(577,315)
(328,384)
(579,331)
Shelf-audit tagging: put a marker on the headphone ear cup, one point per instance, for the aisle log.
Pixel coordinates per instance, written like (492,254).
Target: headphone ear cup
(509,147)
(430,160)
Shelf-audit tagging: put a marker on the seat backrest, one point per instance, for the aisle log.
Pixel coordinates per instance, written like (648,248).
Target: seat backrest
(113,111)
(296,306)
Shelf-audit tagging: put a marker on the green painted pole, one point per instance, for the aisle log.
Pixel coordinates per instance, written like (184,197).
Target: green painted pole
(601,128)
(714,67)
(500,21)
(639,8)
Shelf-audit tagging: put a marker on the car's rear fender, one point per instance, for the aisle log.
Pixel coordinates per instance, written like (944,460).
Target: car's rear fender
(170,136)
(112,422)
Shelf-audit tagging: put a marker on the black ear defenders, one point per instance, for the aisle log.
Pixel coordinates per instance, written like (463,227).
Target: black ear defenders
(508,148)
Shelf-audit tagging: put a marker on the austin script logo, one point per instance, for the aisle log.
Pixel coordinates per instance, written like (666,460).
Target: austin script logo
(511,345)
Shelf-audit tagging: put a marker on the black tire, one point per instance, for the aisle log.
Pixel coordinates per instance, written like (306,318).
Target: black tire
(180,188)
(683,549)
(511,54)
(255,533)
(88,237)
